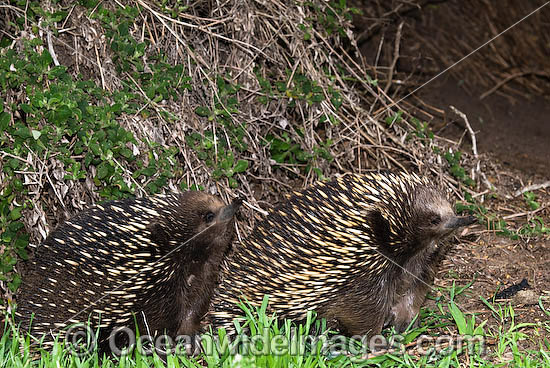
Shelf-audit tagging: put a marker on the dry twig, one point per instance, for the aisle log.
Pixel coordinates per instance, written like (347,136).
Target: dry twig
(530,188)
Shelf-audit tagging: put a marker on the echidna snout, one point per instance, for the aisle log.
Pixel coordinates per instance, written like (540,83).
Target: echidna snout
(432,216)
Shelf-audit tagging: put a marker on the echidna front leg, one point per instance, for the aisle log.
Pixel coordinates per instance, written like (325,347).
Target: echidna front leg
(357,312)
(415,284)
(406,307)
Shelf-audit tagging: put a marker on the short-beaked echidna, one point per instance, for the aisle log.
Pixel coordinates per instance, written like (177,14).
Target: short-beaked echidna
(361,251)
(156,258)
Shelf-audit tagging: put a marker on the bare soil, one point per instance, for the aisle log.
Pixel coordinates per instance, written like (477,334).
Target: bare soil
(517,139)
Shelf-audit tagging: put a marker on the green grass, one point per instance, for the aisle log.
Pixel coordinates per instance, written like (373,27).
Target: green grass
(263,341)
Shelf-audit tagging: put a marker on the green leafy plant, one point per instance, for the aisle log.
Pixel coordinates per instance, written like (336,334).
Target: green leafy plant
(456,169)
(216,149)
(471,206)
(228,167)
(284,151)
(530,199)
(300,88)
(534,227)
(422,131)
(329,18)
(395,118)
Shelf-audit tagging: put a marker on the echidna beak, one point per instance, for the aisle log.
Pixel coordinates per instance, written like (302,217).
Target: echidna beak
(459,221)
(229,211)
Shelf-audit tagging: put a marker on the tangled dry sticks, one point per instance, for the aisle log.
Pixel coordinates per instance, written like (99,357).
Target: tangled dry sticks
(241,40)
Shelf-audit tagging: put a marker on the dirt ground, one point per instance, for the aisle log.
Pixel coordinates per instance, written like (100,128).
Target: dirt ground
(517,138)
(512,132)
(497,262)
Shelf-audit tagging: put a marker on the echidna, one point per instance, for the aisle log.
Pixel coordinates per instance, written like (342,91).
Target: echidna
(155,259)
(361,251)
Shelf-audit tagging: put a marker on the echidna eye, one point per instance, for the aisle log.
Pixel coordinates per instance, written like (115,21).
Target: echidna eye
(209,217)
(435,220)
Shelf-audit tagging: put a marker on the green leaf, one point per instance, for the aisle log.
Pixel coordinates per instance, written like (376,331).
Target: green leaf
(4,120)
(126,152)
(22,253)
(233,183)
(217,173)
(96,150)
(241,166)
(530,196)
(23,132)
(16,226)
(13,163)
(7,236)
(102,170)
(318,172)
(458,317)
(149,171)
(279,158)
(413,335)
(15,283)
(278,145)
(56,72)
(533,205)
(317,98)
(225,164)
(45,59)
(202,111)
(15,214)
